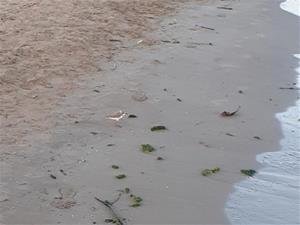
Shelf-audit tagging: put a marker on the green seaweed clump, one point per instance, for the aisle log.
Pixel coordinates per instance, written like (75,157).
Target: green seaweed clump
(146,148)
(136,201)
(127,190)
(115,167)
(158,128)
(121,176)
(249,173)
(208,172)
(112,221)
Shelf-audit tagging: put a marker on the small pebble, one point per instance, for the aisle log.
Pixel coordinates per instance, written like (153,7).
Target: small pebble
(52,176)
(110,145)
(63,172)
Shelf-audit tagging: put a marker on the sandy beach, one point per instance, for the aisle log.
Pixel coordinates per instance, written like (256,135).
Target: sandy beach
(66,66)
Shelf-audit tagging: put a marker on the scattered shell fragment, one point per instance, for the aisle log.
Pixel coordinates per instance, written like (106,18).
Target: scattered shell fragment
(139,96)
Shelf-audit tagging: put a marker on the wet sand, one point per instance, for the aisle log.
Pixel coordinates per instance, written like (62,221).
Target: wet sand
(190,75)
(272,195)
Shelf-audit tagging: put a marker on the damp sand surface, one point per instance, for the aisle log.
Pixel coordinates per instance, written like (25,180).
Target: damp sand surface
(272,196)
(183,79)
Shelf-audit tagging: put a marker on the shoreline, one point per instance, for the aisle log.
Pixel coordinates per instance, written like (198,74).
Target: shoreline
(250,203)
(173,190)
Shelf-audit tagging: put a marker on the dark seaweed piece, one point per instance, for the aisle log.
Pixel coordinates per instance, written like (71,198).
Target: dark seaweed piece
(120,176)
(115,40)
(109,221)
(115,167)
(249,173)
(63,172)
(110,145)
(53,177)
(158,128)
(227,8)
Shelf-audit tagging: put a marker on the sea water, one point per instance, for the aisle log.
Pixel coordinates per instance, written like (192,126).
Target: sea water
(272,196)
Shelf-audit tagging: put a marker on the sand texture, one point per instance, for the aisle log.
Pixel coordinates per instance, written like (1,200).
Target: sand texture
(45,45)
(83,82)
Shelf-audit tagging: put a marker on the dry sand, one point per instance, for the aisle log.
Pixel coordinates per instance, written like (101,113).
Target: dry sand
(59,85)
(46,44)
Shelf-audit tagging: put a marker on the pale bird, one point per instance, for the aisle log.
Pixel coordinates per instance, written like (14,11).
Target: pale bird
(117,116)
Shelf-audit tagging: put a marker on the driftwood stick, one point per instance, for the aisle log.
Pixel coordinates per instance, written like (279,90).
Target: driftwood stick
(109,206)
(289,88)
(227,8)
(208,28)
(117,199)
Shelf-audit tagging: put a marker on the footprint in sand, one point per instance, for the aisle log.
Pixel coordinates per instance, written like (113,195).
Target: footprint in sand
(65,200)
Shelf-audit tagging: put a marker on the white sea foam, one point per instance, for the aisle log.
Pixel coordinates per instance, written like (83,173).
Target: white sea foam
(292,6)
(272,196)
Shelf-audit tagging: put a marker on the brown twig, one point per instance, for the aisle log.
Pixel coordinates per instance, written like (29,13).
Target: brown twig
(208,28)
(117,199)
(289,88)
(228,114)
(109,205)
